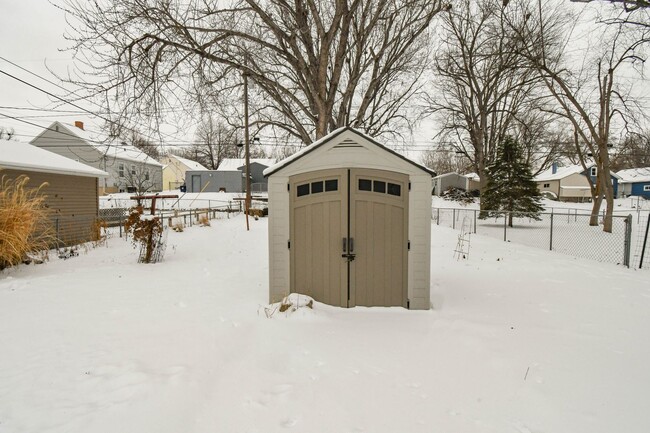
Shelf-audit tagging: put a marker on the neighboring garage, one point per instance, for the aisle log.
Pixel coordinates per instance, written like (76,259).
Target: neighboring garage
(214,181)
(350,224)
(71,191)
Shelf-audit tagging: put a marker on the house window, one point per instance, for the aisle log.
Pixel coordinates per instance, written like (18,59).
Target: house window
(593,172)
(121,170)
(146,175)
(133,170)
(646,188)
(547,185)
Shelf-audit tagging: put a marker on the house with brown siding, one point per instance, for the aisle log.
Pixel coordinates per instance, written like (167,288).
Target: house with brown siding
(129,169)
(71,187)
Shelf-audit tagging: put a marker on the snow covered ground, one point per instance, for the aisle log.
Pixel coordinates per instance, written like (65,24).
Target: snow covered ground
(519,340)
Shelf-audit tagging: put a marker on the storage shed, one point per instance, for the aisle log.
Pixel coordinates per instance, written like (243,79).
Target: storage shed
(350,224)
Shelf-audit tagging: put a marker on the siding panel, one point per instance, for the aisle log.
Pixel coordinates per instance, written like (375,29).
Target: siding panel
(72,201)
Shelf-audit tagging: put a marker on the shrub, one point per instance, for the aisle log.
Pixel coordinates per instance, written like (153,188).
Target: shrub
(146,231)
(24,225)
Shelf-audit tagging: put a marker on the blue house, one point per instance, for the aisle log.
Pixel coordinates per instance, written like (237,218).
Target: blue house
(635,182)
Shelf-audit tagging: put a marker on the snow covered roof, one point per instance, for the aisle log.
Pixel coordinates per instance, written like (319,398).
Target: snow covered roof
(473,176)
(128,152)
(230,164)
(192,165)
(17,155)
(561,172)
(112,149)
(453,173)
(316,144)
(632,175)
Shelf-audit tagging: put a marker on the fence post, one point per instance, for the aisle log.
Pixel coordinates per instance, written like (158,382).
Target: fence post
(550,247)
(645,242)
(120,224)
(57,234)
(505,226)
(628,241)
(475,221)
(453,219)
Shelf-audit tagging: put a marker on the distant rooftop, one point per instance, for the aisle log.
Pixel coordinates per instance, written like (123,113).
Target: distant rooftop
(635,175)
(230,164)
(112,149)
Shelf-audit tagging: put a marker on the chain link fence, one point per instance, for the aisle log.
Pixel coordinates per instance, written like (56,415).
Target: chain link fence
(566,232)
(641,238)
(73,230)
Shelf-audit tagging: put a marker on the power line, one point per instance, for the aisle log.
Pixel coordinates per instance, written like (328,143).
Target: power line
(64,100)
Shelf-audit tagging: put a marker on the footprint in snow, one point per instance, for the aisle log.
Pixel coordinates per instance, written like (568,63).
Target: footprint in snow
(288,423)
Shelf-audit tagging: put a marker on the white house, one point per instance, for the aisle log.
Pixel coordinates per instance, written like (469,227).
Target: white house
(350,224)
(129,169)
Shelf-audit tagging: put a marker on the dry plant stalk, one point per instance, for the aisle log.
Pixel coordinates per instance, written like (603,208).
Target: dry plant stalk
(98,232)
(204,221)
(24,224)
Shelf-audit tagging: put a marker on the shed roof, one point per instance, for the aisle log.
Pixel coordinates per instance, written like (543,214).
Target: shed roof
(315,145)
(17,155)
(633,175)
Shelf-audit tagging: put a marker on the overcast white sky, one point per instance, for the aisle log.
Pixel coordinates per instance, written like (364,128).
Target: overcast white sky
(31,36)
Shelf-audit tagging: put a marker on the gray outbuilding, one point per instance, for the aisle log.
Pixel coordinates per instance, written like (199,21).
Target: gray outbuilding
(445,181)
(350,224)
(214,181)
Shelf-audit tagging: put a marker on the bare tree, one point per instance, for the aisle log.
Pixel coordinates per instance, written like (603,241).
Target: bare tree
(214,142)
(443,158)
(319,64)
(146,146)
(588,97)
(137,177)
(482,90)
(633,152)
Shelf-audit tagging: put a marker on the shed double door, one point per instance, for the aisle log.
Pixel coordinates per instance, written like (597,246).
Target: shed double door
(349,230)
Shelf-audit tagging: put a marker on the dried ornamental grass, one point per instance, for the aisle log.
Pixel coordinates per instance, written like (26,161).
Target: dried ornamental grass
(24,225)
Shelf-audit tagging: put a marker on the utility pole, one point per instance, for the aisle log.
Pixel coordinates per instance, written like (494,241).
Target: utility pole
(247,205)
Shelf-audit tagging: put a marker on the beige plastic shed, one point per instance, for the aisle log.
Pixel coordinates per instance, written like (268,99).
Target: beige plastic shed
(350,224)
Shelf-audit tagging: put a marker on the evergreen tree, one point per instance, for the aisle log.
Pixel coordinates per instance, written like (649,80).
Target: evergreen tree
(510,186)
